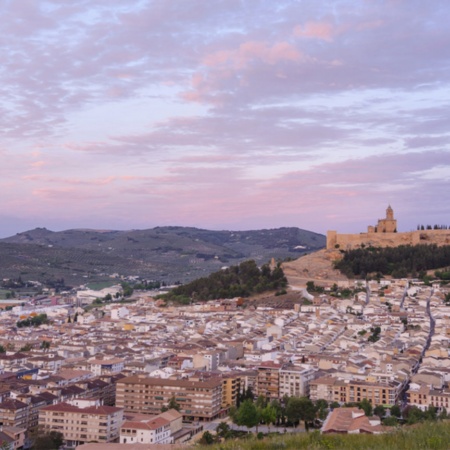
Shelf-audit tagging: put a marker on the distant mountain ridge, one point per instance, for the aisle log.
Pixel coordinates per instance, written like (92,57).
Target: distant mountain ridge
(168,254)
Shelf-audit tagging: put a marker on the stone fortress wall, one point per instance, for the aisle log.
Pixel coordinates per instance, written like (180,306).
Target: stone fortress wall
(384,234)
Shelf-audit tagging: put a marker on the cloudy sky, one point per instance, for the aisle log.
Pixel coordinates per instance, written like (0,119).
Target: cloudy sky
(224,114)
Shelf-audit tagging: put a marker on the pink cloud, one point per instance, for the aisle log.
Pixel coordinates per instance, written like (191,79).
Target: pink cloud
(316,30)
(251,51)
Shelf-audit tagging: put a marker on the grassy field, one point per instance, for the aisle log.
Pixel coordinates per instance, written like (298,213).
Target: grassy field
(102,285)
(426,436)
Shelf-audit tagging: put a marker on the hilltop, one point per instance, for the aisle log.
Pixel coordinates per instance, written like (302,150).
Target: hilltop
(163,253)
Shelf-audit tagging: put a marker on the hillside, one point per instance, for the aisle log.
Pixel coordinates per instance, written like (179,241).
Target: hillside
(163,253)
(317,267)
(424,436)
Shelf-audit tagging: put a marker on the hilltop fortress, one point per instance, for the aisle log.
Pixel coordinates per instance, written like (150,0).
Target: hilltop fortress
(384,234)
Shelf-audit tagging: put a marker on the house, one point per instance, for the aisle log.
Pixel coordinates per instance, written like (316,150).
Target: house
(351,421)
(152,431)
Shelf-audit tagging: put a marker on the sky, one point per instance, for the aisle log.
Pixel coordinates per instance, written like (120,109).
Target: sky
(224,114)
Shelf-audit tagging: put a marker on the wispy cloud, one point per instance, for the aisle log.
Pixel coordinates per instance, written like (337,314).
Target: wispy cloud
(223,114)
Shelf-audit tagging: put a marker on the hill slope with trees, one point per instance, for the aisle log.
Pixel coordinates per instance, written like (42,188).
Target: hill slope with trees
(236,281)
(398,262)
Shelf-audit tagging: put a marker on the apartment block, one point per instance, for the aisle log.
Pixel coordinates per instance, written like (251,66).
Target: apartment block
(294,380)
(197,399)
(348,391)
(82,424)
(268,380)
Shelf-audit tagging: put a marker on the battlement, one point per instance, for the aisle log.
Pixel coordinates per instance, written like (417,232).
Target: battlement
(384,234)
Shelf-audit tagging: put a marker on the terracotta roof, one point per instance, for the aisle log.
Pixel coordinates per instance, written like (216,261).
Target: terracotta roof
(211,383)
(66,407)
(345,420)
(151,424)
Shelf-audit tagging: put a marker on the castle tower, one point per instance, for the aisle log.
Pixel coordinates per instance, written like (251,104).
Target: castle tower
(388,225)
(389,213)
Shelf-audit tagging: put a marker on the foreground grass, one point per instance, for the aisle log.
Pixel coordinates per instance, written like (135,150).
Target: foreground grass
(433,436)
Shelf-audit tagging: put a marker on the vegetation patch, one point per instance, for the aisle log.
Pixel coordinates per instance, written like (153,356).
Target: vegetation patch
(236,281)
(398,262)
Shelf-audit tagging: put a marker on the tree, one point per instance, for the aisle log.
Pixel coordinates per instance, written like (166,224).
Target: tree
(379,411)
(300,408)
(269,415)
(48,441)
(413,415)
(261,402)
(430,413)
(171,405)
(207,438)
(321,409)
(279,411)
(26,348)
(366,406)
(396,411)
(2,349)
(246,415)
(223,430)
(390,421)
(45,345)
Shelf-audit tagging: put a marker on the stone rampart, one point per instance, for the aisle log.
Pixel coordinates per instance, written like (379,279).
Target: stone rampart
(352,241)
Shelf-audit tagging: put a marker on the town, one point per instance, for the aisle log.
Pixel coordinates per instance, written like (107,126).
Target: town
(150,372)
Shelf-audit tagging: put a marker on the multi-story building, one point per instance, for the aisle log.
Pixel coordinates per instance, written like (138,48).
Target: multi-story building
(231,385)
(14,413)
(294,380)
(82,424)
(268,380)
(197,399)
(349,391)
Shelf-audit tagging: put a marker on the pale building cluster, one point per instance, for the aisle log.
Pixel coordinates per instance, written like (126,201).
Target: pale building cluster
(120,365)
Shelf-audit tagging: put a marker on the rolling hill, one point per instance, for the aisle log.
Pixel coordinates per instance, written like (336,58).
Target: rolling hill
(163,253)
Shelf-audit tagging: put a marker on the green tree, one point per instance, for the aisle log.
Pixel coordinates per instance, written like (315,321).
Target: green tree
(48,441)
(430,413)
(246,415)
(261,402)
(366,406)
(207,438)
(171,405)
(279,411)
(396,411)
(223,430)
(269,415)
(300,408)
(390,421)
(45,345)
(413,415)
(321,407)
(379,411)
(2,349)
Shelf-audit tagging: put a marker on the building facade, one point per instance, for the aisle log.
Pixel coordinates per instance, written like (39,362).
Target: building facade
(201,400)
(79,425)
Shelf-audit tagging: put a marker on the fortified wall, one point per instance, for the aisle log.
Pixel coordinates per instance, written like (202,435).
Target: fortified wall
(384,234)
